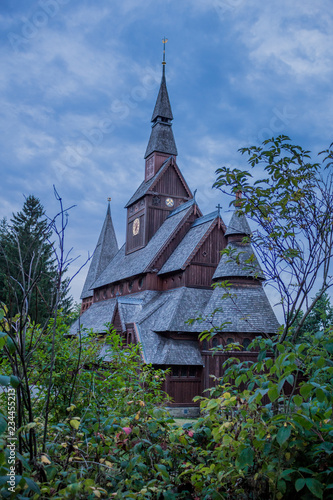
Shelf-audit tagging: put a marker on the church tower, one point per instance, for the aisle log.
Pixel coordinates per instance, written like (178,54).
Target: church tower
(164,188)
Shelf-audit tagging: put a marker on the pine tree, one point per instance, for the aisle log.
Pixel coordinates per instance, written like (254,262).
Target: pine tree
(28,272)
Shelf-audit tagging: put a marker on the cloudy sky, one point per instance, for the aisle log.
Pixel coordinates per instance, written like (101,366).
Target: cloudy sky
(79,79)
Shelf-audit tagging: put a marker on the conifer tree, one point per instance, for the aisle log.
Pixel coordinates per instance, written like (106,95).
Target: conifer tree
(28,272)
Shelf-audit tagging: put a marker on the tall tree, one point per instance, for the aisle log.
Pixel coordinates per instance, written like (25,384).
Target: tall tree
(290,199)
(28,273)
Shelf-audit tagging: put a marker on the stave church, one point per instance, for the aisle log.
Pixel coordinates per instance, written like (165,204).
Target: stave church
(168,272)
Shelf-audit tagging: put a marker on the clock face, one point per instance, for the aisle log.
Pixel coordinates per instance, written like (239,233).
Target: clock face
(169,202)
(136,227)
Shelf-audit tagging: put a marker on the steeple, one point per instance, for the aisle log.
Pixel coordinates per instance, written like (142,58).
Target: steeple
(105,250)
(240,261)
(161,143)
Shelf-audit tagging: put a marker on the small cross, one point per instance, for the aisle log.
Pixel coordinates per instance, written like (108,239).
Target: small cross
(109,199)
(219,208)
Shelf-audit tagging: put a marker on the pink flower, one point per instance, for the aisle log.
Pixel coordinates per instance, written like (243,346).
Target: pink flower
(190,433)
(127,430)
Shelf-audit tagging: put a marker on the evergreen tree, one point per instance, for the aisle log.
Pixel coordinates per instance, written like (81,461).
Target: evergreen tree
(28,272)
(320,318)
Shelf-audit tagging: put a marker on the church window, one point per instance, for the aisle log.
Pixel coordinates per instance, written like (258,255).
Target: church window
(205,345)
(230,340)
(183,371)
(204,254)
(141,281)
(104,293)
(175,371)
(246,342)
(192,371)
(112,291)
(215,342)
(130,286)
(121,288)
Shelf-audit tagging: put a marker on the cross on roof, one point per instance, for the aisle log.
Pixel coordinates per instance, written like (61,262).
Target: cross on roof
(219,208)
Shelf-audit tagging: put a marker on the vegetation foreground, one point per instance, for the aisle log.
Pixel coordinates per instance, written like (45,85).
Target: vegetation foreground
(115,440)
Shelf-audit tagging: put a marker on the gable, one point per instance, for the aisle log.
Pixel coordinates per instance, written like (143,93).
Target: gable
(171,182)
(202,244)
(175,179)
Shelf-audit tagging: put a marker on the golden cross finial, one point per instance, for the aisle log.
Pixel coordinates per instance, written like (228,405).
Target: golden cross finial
(164,42)
(109,199)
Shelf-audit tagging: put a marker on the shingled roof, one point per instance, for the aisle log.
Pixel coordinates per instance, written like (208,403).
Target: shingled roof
(162,107)
(161,137)
(246,309)
(95,317)
(154,313)
(168,312)
(105,250)
(145,186)
(238,225)
(125,266)
(234,265)
(186,249)
(180,352)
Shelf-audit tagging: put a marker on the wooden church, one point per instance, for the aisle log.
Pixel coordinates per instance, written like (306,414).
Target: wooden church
(163,274)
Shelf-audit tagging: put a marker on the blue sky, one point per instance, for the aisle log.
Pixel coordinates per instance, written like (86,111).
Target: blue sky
(79,80)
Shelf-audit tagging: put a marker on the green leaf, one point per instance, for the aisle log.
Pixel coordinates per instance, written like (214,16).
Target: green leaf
(32,485)
(303,421)
(283,434)
(75,424)
(14,381)
(305,390)
(4,380)
(3,424)
(273,393)
(315,487)
(298,400)
(320,395)
(245,458)
(299,484)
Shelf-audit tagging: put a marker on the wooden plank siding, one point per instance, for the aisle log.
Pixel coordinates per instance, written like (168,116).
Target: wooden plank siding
(182,389)
(170,184)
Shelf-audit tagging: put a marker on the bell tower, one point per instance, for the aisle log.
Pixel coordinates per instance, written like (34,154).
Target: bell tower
(161,143)
(164,187)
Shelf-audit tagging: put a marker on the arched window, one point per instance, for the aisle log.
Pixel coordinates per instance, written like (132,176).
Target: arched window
(246,342)
(215,342)
(230,340)
(204,345)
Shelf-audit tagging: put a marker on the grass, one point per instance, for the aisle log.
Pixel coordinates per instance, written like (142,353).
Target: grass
(181,421)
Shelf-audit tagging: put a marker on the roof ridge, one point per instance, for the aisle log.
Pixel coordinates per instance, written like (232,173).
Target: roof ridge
(201,242)
(181,207)
(161,250)
(182,292)
(154,309)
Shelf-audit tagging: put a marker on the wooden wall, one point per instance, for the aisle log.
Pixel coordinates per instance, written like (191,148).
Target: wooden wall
(183,384)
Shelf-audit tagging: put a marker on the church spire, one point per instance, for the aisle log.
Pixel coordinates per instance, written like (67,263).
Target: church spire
(161,137)
(105,250)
